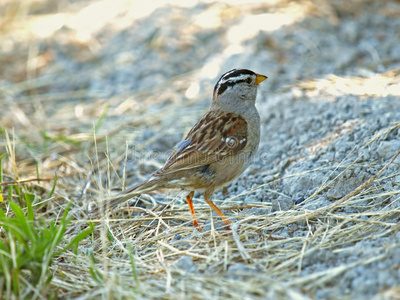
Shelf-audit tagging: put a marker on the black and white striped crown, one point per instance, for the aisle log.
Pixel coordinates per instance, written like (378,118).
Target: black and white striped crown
(233,77)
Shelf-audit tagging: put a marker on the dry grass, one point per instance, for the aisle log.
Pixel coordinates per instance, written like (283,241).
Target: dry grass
(135,254)
(160,236)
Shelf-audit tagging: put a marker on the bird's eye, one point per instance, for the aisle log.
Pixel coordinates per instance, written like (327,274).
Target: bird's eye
(248,80)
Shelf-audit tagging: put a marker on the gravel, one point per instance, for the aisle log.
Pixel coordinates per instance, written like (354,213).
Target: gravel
(324,102)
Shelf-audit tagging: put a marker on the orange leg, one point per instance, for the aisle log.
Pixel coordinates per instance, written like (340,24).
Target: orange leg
(207,197)
(189,198)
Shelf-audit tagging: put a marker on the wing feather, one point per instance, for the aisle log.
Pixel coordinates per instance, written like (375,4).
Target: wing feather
(212,138)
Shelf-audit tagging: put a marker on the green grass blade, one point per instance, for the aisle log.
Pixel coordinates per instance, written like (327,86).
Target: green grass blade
(37,171)
(10,192)
(102,117)
(26,227)
(1,167)
(96,275)
(77,239)
(29,199)
(54,185)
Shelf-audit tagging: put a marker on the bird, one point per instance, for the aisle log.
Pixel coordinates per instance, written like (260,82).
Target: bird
(217,149)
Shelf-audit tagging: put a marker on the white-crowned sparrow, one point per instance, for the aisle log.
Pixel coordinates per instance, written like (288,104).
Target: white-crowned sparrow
(216,150)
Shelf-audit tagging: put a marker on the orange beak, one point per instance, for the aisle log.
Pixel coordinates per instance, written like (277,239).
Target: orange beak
(260,78)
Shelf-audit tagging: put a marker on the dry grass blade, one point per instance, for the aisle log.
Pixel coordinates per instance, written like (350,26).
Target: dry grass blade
(338,203)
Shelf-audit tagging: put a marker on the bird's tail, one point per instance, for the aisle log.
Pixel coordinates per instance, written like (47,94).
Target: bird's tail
(148,185)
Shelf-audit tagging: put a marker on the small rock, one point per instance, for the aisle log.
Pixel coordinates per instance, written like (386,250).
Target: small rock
(282,204)
(186,264)
(316,203)
(346,184)
(387,149)
(299,200)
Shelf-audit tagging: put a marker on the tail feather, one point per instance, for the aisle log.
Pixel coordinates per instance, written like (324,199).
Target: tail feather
(146,186)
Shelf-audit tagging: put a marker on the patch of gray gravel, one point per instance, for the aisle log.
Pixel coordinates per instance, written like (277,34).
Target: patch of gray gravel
(311,136)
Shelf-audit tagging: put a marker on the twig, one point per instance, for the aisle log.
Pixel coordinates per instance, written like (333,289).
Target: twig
(26,180)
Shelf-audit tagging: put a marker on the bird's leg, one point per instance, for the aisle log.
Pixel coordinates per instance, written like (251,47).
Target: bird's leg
(208,198)
(189,198)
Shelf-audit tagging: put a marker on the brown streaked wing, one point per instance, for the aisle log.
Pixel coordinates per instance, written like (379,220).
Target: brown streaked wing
(213,137)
